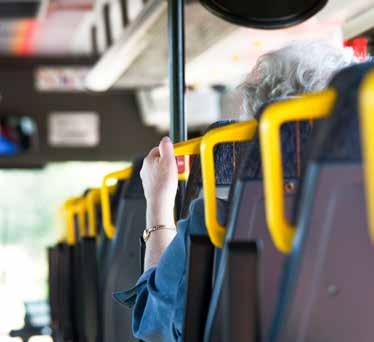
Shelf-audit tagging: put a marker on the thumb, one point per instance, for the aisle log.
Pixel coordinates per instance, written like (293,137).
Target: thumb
(166,149)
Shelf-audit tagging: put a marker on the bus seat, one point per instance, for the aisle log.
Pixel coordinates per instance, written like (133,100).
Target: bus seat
(89,288)
(67,324)
(328,279)
(203,257)
(77,275)
(246,223)
(103,250)
(237,278)
(87,246)
(124,258)
(53,284)
(103,240)
(60,259)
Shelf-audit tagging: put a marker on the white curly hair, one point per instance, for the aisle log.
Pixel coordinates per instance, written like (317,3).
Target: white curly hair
(301,66)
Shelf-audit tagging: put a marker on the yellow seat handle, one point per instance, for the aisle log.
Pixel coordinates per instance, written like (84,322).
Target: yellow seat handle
(243,131)
(109,228)
(366,102)
(186,149)
(92,199)
(309,107)
(80,209)
(67,211)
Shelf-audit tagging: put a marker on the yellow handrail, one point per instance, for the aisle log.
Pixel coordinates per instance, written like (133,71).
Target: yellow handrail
(109,228)
(309,107)
(80,209)
(242,131)
(68,214)
(366,102)
(92,198)
(185,148)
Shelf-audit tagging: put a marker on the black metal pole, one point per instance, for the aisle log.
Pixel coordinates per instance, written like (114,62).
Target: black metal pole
(178,127)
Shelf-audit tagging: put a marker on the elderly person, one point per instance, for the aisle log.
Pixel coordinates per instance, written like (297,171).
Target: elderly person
(158,298)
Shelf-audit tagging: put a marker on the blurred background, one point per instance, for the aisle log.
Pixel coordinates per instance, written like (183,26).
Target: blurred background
(24,233)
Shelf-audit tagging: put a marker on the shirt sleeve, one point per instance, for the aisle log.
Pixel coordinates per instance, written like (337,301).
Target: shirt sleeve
(158,298)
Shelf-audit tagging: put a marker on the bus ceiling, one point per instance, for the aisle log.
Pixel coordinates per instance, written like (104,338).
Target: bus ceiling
(216,50)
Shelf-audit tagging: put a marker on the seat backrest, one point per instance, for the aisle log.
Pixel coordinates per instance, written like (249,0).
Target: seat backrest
(124,258)
(247,222)
(66,298)
(103,251)
(89,289)
(76,278)
(203,257)
(328,281)
(53,288)
(225,159)
(103,241)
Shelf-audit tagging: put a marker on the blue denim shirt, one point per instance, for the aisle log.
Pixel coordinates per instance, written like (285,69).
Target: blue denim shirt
(158,299)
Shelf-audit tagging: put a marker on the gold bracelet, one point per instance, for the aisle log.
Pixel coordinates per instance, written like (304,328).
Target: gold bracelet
(147,232)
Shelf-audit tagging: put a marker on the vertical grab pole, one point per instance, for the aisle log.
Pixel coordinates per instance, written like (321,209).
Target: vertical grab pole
(178,127)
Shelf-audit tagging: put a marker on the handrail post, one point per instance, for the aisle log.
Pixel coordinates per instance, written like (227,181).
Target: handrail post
(178,127)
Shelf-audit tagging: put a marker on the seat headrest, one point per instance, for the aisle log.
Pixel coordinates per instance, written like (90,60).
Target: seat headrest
(294,137)
(226,157)
(338,137)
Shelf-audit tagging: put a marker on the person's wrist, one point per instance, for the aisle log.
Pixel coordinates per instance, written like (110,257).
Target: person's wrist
(160,215)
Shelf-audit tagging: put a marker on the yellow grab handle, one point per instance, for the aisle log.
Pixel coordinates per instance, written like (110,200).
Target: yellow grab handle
(68,213)
(109,228)
(92,198)
(309,107)
(61,225)
(367,137)
(242,131)
(186,149)
(80,210)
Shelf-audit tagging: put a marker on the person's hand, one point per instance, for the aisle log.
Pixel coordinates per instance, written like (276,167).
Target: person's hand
(159,176)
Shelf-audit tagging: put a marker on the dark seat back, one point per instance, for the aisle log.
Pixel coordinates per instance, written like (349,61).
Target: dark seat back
(53,286)
(247,224)
(103,251)
(67,324)
(89,289)
(103,242)
(250,224)
(124,259)
(328,281)
(203,257)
